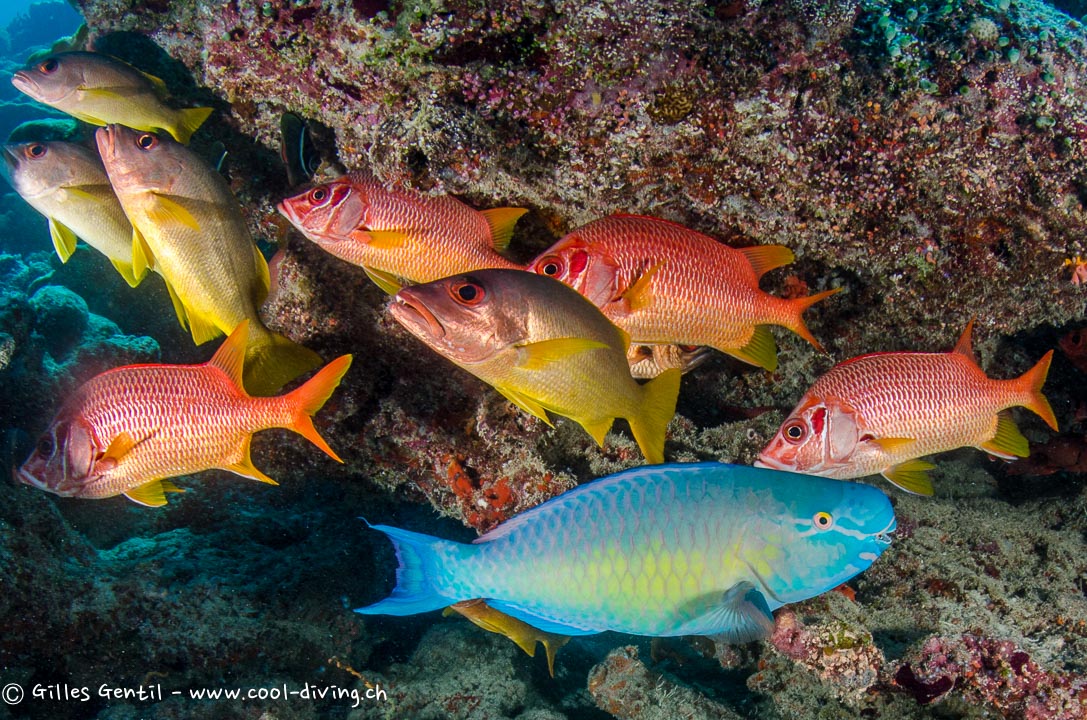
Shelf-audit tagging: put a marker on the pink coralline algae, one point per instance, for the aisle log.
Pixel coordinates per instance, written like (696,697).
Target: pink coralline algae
(994,672)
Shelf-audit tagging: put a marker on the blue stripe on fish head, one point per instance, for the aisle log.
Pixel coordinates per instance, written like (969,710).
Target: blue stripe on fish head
(828,533)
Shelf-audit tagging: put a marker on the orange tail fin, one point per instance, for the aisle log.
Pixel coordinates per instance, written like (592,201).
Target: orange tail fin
(308,399)
(1031,381)
(799,305)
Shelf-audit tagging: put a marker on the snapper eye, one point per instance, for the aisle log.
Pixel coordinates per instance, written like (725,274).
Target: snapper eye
(467,292)
(48,67)
(551,266)
(147,141)
(794,431)
(36,150)
(822,520)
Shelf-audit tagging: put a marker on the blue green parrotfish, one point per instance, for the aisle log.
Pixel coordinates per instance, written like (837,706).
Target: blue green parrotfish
(689,549)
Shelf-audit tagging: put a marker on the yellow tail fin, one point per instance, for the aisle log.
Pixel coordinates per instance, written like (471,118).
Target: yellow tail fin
(308,399)
(658,406)
(800,305)
(1032,381)
(272,361)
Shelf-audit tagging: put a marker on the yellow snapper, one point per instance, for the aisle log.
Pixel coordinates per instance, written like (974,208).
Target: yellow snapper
(99,89)
(542,345)
(67,184)
(127,429)
(188,226)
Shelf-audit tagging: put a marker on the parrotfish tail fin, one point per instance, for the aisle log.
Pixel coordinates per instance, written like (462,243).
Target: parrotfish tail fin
(502,221)
(1032,381)
(272,361)
(424,563)
(311,397)
(658,406)
(189,120)
(799,306)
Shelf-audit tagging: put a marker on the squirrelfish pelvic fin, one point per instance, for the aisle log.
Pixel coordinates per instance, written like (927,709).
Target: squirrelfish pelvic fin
(760,350)
(911,476)
(152,494)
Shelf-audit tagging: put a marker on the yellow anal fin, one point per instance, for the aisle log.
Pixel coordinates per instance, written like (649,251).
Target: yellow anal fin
(760,350)
(1007,443)
(152,494)
(533,356)
(597,428)
(64,240)
(245,467)
(650,424)
(529,405)
(202,328)
(501,221)
(640,294)
(764,258)
(520,632)
(142,256)
(387,239)
(125,270)
(386,281)
(911,476)
(167,211)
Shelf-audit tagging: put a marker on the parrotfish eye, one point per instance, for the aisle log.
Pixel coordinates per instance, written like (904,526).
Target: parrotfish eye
(467,292)
(551,266)
(147,141)
(822,520)
(36,150)
(49,66)
(794,431)
(318,194)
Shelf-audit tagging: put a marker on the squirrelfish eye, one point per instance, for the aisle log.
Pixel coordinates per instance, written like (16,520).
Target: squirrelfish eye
(467,292)
(822,520)
(36,150)
(147,141)
(45,445)
(49,66)
(794,431)
(551,266)
(318,195)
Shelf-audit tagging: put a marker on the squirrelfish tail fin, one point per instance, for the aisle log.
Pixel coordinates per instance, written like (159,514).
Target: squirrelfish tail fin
(189,120)
(799,306)
(1031,382)
(650,423)
(272,361)
(311,397)
(425,564)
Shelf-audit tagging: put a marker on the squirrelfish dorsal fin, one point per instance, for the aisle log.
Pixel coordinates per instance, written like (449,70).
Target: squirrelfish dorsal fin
(152,494)
(502,221)
(764,258)
(230,357)
(965,345)
(533,356)
(64,240)
(640,294)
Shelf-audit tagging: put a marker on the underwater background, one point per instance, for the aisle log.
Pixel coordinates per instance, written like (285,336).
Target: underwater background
(928,159)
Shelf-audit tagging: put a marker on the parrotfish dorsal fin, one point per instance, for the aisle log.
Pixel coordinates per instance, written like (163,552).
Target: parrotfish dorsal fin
(1007,443)
(230,357)
(965,345)
(764,258)
(156,82)
(501,221)
(64,240)
(640,294)
(742,612)
(152,494)
(598,429)
(533,356)
(911,476)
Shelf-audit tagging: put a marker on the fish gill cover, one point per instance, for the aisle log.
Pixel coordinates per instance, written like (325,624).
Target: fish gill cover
(926,159)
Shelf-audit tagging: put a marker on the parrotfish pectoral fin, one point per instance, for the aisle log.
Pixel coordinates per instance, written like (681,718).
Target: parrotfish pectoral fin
(764,258)
(64,240)
(911,476)
(1008,443)
(524,402)
(152,494)
(245,466)
(167,211)
(425,563)
(264,276)
(650,425)
(1032,381)
(760,350)
(533,356)
(742,614)
(502,221)
(156,82)
(386,281)
(640,294)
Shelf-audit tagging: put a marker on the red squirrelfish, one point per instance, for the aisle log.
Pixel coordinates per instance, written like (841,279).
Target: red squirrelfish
(398,236)
(667,284)
(127,429)
(878,413)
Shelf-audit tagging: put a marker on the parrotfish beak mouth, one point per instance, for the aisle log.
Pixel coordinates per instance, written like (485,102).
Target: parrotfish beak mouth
(884,536)
(412,313)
